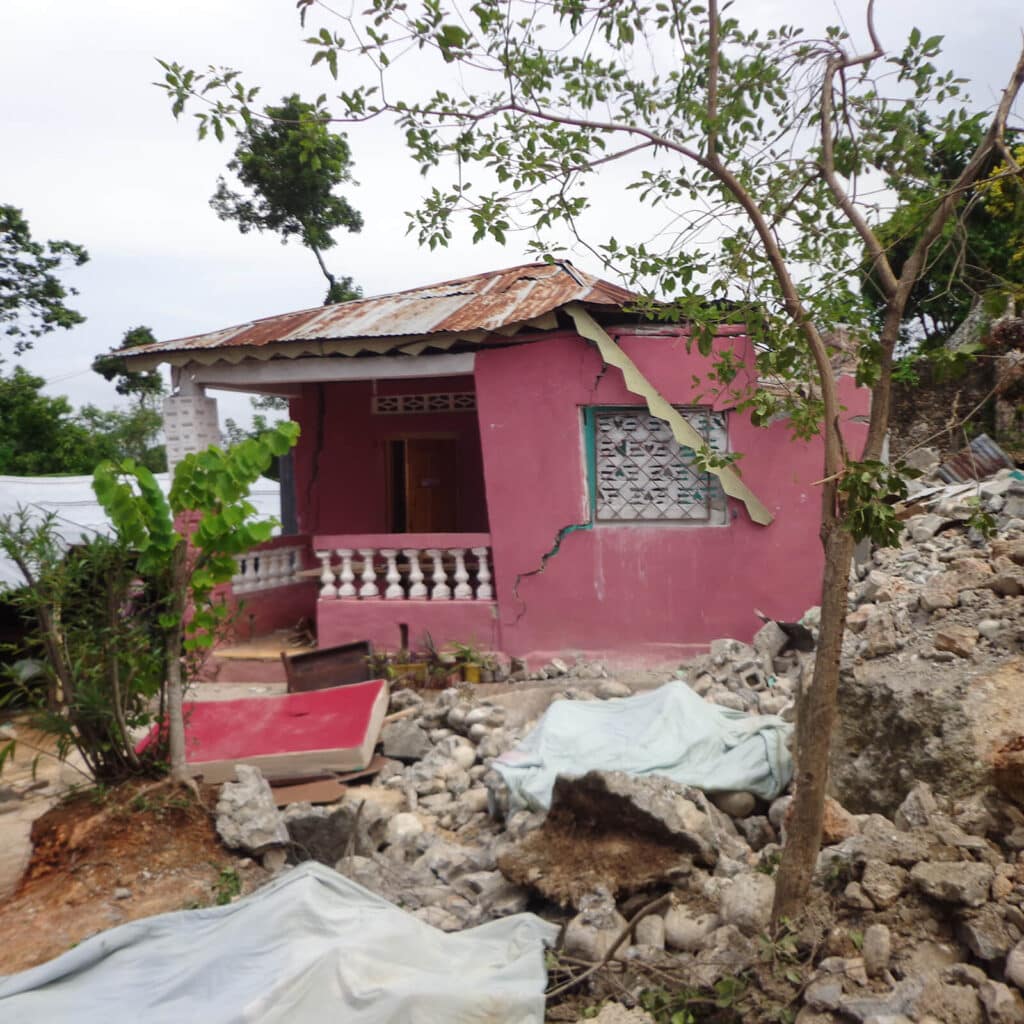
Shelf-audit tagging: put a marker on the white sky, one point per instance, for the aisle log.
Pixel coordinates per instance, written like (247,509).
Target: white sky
(90,152)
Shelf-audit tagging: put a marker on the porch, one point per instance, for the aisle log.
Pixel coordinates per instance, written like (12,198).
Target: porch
(394,589)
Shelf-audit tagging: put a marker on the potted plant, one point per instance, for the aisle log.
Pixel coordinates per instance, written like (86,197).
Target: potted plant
(471,662)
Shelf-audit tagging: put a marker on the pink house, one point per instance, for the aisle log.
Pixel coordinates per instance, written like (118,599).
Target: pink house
(479,461)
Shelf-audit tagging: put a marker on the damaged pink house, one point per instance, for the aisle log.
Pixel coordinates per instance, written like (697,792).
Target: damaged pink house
(508,460)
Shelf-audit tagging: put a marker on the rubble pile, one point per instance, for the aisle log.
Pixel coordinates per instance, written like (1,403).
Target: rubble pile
(917,913)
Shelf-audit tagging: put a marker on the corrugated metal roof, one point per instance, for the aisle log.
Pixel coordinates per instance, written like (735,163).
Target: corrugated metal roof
(980,459)
(493,302)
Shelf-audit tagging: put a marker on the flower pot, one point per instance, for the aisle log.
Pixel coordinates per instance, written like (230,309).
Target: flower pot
(471,673)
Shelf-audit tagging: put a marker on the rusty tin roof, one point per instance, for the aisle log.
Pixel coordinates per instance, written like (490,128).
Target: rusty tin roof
(468,309)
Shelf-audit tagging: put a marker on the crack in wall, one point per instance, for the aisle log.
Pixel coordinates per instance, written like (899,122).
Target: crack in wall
(544,559)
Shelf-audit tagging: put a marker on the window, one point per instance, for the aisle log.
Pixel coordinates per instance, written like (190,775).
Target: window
(640,473)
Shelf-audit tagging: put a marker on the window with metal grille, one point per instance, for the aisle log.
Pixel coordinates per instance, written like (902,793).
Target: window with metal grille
(640,473)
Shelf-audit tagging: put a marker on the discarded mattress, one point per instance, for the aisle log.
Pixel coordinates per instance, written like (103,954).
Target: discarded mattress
(669,731)
(312,946)
(285,734)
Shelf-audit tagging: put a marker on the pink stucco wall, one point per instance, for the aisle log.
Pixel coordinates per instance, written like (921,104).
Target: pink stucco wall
(647,593)
(633,592)
(341,458)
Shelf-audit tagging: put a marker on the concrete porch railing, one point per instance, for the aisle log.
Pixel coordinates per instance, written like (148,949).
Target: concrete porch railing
(405,566)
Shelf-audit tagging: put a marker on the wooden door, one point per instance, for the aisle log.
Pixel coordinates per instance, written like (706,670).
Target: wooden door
(431,485)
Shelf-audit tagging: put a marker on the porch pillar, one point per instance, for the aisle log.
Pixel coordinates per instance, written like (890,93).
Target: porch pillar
(190,419)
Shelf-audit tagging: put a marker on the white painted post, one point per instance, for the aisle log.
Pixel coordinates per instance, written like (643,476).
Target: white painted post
(327,587)
(463,591)
(484,590)
(369,577)
(394,590)
(347,588)
(417,588)
(441,591)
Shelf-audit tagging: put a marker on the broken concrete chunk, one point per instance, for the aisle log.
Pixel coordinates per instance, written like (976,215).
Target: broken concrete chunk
(247,816)
(1014,969)
(986,933)
(941,591)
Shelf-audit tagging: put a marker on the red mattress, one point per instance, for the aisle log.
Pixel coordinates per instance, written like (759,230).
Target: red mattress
(287,734)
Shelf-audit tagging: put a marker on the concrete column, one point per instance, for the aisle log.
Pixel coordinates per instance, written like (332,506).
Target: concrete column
(190,419)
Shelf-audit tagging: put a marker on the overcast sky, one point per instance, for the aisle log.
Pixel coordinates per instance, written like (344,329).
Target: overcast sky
(91,153)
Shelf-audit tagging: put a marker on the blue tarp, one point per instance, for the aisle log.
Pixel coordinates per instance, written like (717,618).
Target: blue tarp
(669,731)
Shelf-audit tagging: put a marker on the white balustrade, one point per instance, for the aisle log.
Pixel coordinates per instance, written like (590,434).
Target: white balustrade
(407,577)
(484,590)
(369,577)
(347,588)
(264,569)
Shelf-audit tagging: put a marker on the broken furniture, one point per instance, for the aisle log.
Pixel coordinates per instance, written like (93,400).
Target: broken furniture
(328,666)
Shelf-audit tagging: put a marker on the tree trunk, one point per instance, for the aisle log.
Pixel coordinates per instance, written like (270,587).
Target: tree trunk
(816,714)
(175,637)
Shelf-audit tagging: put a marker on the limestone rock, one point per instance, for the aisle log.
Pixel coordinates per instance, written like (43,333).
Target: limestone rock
(883,883)
(736,805)
(247,817)
(1015,965)
(917,808)
(650,931)
(593,931)
(877,950)
(404,740)
(686,931)
(986,933)
(609,689)
(965,883)
(838,824)
(1002,1004)
(747,903)
(960,640)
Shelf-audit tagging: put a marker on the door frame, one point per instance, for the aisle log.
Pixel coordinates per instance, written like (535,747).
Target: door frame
(414,435)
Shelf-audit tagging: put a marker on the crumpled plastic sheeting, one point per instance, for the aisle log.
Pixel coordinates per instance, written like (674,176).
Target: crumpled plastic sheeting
(312,946)
(669,731)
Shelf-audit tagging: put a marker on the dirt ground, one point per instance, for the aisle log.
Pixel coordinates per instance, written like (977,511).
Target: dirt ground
(101,858)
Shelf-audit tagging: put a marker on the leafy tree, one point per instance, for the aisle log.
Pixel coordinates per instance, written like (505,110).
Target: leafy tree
(93,632)
(974,258)
(114,434)
(764,139)
(38,433)
(182,570)
(41,435)
(145,387)
(32,297)
(289,163)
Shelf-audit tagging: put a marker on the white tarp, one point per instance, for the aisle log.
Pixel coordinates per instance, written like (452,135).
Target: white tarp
(669,731)
(310,947)
(80,515)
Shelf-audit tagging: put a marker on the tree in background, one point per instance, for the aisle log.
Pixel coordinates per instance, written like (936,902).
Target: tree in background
(776,157)
(41,434)
(976,258)
(289,162)
(32,297)
(144,387)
